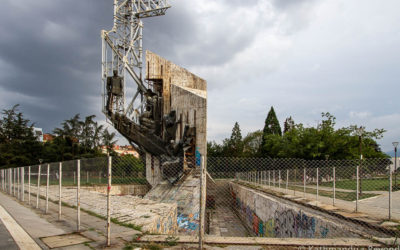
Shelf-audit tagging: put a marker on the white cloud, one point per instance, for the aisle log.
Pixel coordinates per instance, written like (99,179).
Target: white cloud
(359,115)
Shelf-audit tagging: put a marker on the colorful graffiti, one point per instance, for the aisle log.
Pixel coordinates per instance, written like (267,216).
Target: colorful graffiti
(289,223)
(284,222)
(167,225)
(188,222)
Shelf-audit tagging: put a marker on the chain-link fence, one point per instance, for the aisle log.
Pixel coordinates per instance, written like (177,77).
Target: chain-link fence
(285,197)
(240,197)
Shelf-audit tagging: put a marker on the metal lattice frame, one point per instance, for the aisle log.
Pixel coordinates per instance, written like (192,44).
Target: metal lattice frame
(122,49)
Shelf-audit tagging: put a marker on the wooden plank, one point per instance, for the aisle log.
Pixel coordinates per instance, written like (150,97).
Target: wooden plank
(21,238)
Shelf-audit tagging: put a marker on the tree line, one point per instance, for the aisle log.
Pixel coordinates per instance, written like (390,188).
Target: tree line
(75,139)
(321,142)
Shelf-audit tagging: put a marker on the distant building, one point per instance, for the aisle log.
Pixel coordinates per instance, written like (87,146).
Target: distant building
(48,137)
(122,150)
(38,133)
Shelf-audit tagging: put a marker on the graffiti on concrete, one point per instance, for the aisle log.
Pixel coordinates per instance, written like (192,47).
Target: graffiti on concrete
(188,222)
(282,221)
(289,223)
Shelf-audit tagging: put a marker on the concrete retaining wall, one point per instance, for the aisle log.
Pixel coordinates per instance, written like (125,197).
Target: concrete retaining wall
(269,216)
(137,190)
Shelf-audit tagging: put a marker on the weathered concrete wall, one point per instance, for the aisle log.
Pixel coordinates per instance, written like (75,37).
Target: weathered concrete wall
(191,105)
(160,68)
(153,170)
(153,217)
(186,195)
(185,93)
(271,217)
(136,190)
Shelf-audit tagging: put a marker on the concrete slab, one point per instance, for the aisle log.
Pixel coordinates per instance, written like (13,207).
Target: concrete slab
(329,207)
(20,236)
(29,220)
(6,240)
(390,224)
(65,240)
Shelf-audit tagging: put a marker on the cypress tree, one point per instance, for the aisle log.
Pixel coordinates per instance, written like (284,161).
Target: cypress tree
(236,142)
(271,127)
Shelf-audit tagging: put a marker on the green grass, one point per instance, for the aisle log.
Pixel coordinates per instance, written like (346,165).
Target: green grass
(130,225)
(346,196)
(377,184)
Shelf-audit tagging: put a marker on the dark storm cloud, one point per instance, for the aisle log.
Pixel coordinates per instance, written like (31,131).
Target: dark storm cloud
(54,50)
(188,36)
(200,33)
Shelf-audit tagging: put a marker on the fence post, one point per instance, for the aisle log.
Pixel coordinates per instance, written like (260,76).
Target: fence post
(2,179)
(23,183)
(87,176)
(287,180)
(334,185)
(59,189)
(14,186)
(279,180)
(10,181)
(109,201)
(265,178)
(202,201)
(295,181)
(390,193)
(304,182)
(358,186)
(274,179)
(29,185)
(99,176)
(74,177)
(47,188)
(18,194)
(269,178)
(317,186)
(38,187)
(78,195)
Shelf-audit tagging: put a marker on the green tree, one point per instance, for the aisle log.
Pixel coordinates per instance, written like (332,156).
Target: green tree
(214,149)
(288,125)
(323,141)
(235,143)
(271,127)
(252,144)
(87,132)
(18,144)
(108,140)
(97,131)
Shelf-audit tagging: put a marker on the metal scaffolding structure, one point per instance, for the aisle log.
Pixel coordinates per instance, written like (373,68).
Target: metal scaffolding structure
(122,53)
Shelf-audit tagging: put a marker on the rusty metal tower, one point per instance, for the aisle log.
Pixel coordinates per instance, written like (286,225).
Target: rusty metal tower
(122,54)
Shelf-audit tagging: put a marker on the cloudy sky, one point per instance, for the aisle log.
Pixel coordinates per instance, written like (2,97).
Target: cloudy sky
(303,57)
